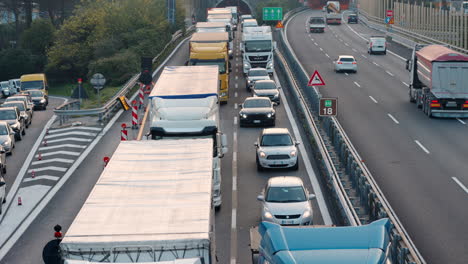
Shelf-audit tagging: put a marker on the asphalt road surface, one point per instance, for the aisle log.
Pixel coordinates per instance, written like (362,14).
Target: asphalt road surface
(420,163)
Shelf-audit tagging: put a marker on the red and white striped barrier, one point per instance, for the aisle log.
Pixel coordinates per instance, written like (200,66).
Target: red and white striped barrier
(142,95)
(134,114)
(123,133)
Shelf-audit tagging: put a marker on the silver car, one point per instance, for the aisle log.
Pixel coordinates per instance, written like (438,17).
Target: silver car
(254,75)
(7,137)
(25,114)
(26,99)
(13,117)
(286,201)
(5,88)
(267,88)
(276,149)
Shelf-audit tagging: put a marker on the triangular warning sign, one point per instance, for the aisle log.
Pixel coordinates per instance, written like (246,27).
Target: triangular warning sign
(316,79)
(279,25)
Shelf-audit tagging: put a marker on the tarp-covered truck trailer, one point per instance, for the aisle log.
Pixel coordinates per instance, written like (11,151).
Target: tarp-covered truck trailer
(151,204)
(274,244)
(439,81)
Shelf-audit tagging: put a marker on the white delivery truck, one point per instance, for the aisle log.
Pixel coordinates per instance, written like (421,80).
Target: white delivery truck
(184,104)
(151,204)
(257,46)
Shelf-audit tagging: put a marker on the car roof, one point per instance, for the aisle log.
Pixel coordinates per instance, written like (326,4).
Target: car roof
(275,130)
(285,181)
(14,102)
(346,56)
(8,108)
(256,98)
(265,81)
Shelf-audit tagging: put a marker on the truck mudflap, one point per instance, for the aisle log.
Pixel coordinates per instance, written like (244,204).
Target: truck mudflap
(449,113)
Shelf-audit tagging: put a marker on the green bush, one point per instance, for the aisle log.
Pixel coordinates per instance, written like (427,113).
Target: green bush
(39,37)
(15,62)
(117,69)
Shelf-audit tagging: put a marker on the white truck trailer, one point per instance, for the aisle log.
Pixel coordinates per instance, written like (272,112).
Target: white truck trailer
(151,204)
(257,47)
(184,104)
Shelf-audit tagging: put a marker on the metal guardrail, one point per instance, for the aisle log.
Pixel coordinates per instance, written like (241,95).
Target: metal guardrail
(346,161)
(403,36)
(72,108)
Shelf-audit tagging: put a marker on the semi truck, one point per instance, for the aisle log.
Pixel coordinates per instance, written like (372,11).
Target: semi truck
(316,24)
(257,46)
(275,244)
(438,81)
(333,16)
(184,104)
(151,204)
(210,48)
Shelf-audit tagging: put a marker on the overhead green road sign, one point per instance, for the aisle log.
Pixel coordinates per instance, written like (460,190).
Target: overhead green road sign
(272,13)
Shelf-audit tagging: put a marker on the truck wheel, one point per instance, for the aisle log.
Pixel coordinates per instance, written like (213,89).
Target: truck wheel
(411,98)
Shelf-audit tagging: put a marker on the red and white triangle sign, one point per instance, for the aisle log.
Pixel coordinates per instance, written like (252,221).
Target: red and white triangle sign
(316,79)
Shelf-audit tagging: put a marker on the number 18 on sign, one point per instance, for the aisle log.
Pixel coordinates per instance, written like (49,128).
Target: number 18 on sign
(328,106)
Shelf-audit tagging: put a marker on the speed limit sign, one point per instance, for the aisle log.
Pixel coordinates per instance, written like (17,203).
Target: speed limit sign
(328,106)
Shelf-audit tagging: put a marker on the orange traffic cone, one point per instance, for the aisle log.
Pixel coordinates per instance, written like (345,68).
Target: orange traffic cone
(33,174)
(39,157)
(19,200)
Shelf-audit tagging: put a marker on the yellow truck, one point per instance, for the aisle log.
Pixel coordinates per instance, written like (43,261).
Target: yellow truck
(211,48)
(36,81)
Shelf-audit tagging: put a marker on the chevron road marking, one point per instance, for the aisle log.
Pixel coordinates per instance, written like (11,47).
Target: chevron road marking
(62,146)
(70,139)
(53,168)
(76,133)
(73,129)
(52,160)
(60,152)
(43,177)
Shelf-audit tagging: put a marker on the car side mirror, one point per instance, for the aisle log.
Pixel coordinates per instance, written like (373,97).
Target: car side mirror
(297,143)
(2,184)
(260,198)
(312,197)
(256,144)
(275,103)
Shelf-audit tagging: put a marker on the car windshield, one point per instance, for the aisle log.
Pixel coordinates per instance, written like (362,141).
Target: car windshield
(265,85)
(347,59)
(257,103)
(19,105)
(16,98)
(258,73)
(36,93)
(7,114)
(290,194)
(276,140)
(3,130)
(317,20)
(38,85)
(258,46)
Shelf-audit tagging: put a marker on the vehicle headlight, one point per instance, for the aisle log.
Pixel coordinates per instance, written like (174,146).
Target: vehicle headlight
(270,65)
(269,115)
(276,95)
(6,143)
(43,101)
(306,214)
(15,125)
(246,65)
(262,154)
(268,215)
(243,115)
(293,153)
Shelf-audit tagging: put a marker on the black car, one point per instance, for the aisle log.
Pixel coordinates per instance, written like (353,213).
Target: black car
(39,99)
(353,18)
(257,111)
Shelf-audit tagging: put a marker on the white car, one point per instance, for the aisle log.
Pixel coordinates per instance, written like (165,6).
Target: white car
(345,63)
(276,149)
(7,137)
(377,44)
(286,202)
(254,75)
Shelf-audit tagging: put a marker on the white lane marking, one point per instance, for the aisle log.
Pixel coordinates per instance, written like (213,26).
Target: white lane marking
(39,162)
(311,39)
(237,59)
(326,54)
(42,177)
(237,77)
(235,94)
(346,73)
(389,73)
(405,84)
(237,69)
(234,183)
(364,56)
(236,85)
(53,168)
(461,121)
(62,146)
(235,120)
(321,49)
(70,139)
(310,171)
(75,133)
(375,63)
(422,147)
(52,131)
(233,261)
(234,156)
(315,43)
(460,184)
(357,84)
(354,50)
(61,152)
(233,218)
(235,106)
(373,99)
(393,118)
(346,44)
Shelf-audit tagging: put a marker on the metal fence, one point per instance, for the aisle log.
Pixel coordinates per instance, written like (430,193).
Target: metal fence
(419,22)
(339,161)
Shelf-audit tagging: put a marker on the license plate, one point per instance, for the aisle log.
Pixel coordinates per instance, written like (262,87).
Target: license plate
(256,121)
(287,222)
(451,104)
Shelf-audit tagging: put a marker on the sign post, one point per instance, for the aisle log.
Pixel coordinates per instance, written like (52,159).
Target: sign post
(328,106)
(98,81)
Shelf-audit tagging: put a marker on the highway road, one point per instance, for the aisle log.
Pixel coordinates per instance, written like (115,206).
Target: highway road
(240,209)
(419,162)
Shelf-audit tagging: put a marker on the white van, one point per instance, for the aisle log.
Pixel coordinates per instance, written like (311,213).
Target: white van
(377,44)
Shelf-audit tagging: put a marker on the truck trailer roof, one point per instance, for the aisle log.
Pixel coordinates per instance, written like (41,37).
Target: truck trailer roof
(440,53)
(185,82)
(331,245)
(207,37)
(211,25)
(154,193)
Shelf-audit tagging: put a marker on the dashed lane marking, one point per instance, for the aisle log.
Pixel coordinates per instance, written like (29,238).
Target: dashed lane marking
(235,120)
(460,184)
(389,73)
(326,54)
(375,63)
(321,49)
(373,99)
(422,146)
(393,118)
(405,84)
(364,56)
(235,106)
(461,121)
(357,84)
(235,94)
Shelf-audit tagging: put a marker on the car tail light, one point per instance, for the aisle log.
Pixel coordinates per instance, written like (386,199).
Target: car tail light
(354,62)
(385,44)
(465,105)
(371,44)
(435,103)
(339,62)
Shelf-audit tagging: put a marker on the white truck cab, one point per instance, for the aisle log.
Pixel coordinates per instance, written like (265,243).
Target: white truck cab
(257,46)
